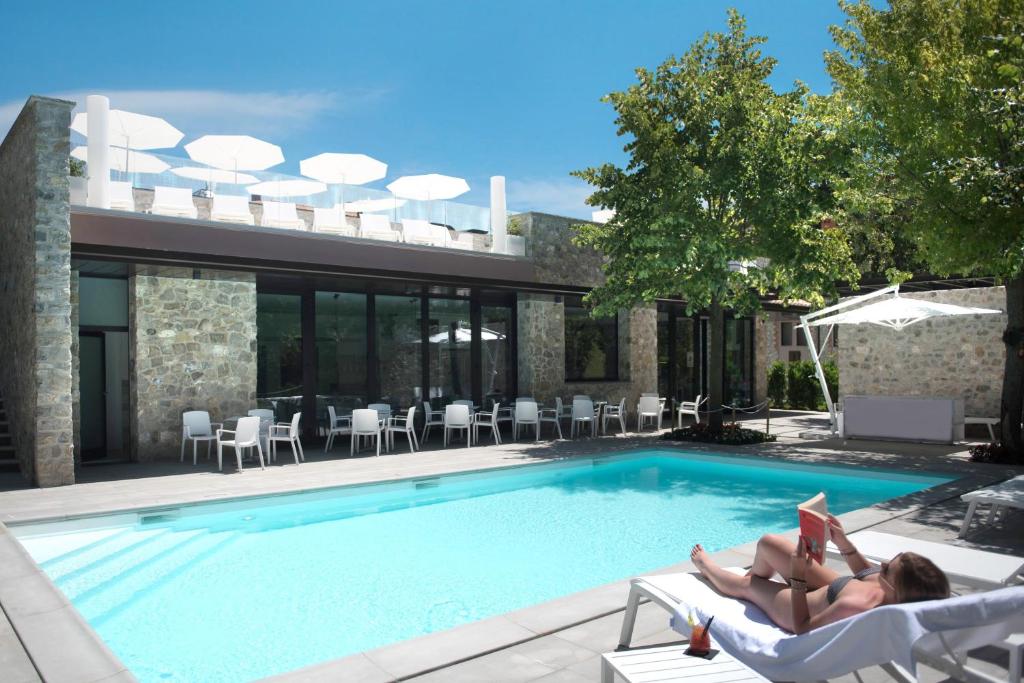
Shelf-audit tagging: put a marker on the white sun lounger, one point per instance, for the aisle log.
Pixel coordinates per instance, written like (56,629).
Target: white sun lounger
(231,208)
(376,226)
(977,568)
(281,215)
(419,231)
(122,198)
(458,242)
(1006,494)
(332,220)
(173,201)
(895,637)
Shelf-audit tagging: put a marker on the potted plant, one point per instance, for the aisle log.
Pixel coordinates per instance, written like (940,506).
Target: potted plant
(515,240)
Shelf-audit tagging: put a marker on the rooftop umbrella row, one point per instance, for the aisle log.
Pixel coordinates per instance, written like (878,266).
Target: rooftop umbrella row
(227,156)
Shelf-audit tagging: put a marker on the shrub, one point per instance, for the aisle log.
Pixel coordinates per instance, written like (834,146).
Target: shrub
(801,385)
(777,383)
(730,434)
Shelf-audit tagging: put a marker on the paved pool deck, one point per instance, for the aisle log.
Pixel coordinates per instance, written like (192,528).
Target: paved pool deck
(42,637)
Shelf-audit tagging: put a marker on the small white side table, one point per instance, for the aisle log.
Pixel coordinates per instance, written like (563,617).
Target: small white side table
(668,663)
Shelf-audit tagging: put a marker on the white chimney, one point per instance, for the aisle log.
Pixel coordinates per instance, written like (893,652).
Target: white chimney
(499,216)
(98,109)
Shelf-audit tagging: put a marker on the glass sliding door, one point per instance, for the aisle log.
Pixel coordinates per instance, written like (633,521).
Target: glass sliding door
(739,360)
(496,367)
(279,353)
(341,343)
(449,339)
(399,371)
(686,370)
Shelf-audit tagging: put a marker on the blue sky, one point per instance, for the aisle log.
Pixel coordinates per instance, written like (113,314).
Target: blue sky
(471,89)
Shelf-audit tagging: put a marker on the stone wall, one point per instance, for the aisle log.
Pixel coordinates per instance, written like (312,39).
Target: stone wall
(959,356)
(557,260)
(76,393)
(35,281)
(541,343)
(193,347)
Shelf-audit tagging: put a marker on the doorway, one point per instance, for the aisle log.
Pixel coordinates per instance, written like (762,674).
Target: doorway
(93,395)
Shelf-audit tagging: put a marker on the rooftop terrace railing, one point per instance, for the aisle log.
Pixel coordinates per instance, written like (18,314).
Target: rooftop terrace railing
(458,217)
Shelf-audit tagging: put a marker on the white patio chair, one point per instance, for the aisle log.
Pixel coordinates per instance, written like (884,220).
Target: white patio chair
(900,635)
(583,413)
(457,418)
(332,220)
(245,435)
(527,414)
(551,415)
(402,424)
(231,208)
(383,409)
(490,421)
(376,226)
(173,201)
(1008,494)
(122,197)
(564,411)
(281,215)
(418,231)
(285,431)
(648,410)
(266,417)
(464,402)
(365,424)
(661,399)
(196,427)
(337,426)
(614,413)
(690,408)
(581,397)
(432,418)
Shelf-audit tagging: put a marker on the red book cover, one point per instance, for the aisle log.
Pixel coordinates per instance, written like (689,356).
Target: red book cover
(813,515)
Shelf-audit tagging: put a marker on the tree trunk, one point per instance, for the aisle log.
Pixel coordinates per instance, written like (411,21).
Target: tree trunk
(1012,404)
(716,351)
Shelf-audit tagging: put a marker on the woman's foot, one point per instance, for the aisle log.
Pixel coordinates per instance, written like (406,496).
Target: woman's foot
(725,582)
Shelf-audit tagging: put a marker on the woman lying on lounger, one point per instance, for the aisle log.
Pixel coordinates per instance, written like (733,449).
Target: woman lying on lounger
(816,595)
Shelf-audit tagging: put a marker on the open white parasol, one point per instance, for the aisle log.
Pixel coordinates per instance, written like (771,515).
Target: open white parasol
(124,159)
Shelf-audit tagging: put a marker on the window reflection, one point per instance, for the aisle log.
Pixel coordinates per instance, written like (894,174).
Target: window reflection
(399,367)
(279,353)
(496,340)
(591,345)
(340,352)
(738,362)
(449,339)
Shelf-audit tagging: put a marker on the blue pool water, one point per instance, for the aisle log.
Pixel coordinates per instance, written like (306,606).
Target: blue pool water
(233,592)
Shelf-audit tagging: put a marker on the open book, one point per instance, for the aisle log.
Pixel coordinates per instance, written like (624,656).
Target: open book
(813,516)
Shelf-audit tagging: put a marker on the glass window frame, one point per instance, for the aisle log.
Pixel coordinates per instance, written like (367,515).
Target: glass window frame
(576,303)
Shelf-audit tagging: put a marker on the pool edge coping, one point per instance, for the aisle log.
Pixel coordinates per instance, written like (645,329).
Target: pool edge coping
(48,654)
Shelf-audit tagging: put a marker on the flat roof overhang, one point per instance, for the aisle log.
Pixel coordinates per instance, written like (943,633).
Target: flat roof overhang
(125,236)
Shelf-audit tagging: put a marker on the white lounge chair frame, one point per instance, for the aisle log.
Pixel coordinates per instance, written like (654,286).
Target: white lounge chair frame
(332,220)
(1009,493)
(377,226)
(122,196)
(231,208)
(419,231)
(652,588)
(281,215)
(173,201)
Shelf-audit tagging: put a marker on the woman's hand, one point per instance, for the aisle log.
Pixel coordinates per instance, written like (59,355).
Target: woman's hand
(838,534)
(799,561)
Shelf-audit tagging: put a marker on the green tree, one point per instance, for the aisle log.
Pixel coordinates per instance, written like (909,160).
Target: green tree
(722,171)
(936,88)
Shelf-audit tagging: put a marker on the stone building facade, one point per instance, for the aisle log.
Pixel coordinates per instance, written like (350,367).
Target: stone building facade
(35,290)
(192,347)
(956,357)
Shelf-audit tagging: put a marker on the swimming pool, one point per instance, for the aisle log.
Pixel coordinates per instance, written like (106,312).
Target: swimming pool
(241,590)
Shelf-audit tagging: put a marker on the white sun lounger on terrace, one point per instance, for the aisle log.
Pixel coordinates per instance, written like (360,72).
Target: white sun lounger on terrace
(122,198)
(419,231)
(231,208)
(377,227)
(281,215)
(977,568)
(1006,494)
(895,637)
(332,220)
(173,201)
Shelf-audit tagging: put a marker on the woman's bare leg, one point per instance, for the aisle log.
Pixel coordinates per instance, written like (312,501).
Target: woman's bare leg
(771,596)
(773,555)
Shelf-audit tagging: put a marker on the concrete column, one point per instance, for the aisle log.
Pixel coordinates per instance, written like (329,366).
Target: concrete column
(499,213)
(98,109)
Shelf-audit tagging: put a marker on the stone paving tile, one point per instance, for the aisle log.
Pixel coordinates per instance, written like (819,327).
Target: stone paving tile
(15,664)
